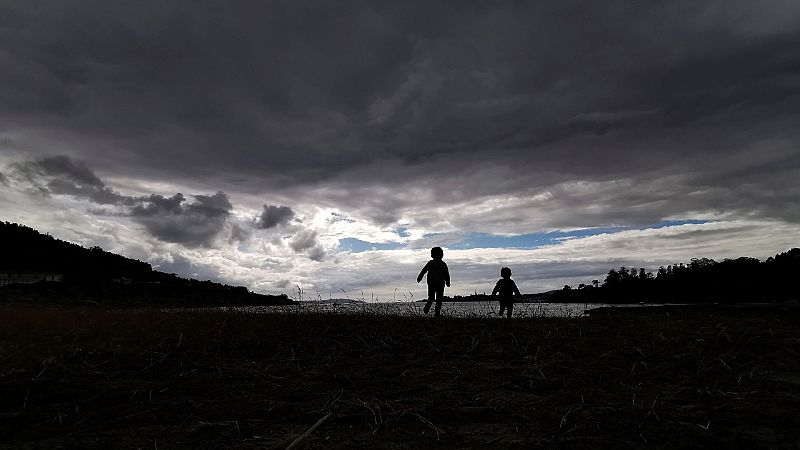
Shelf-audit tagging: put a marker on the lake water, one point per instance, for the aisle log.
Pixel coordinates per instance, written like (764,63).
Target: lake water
(450,309)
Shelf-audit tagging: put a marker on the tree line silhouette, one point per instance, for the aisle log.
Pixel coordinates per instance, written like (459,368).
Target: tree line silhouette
(737,280)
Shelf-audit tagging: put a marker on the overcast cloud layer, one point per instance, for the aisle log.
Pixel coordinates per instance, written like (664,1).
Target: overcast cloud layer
(328,145)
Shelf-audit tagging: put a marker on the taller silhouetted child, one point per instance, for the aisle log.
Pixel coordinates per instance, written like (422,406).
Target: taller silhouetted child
(507,288)
(438,278)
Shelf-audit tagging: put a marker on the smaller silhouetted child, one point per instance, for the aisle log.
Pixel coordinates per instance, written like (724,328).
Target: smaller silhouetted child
(507,288)
(438,278)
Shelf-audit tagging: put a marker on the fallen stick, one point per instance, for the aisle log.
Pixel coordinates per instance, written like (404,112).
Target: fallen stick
(300,438)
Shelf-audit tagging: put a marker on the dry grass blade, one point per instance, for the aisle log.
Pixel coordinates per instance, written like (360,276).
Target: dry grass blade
(428,423)
(308,432)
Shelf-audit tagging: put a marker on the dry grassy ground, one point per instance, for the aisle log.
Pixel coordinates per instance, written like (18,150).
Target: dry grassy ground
(147,379)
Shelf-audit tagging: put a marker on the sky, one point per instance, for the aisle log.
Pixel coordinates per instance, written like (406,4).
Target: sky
(325,147)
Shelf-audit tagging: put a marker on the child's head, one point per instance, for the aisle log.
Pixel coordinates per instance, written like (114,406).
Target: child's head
(505,272)
(437,253)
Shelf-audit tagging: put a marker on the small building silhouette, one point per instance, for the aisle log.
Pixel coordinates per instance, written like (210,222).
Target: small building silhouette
(14,277)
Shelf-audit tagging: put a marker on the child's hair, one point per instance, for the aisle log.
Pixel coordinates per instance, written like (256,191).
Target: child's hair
(505,272)
(437,253)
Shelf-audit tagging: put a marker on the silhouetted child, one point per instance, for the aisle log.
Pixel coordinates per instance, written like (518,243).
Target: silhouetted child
(507,288)
(438,278)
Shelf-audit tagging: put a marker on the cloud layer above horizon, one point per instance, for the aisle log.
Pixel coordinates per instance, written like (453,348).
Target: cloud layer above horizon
(327,146)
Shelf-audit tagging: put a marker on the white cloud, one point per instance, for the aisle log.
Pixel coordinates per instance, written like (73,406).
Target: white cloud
(266,263)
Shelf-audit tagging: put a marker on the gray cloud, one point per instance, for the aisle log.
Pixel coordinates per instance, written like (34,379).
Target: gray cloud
(316,253)
(272,216)
(63,166)
(61,175)
(239,233)
(307,240)
(303,240)
(156,205)
(181,265)
(193,224)
(283,284)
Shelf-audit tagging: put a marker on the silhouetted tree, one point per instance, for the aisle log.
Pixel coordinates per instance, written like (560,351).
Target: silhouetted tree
(706,280)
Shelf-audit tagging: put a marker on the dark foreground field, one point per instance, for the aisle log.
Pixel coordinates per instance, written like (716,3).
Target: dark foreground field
(699,378)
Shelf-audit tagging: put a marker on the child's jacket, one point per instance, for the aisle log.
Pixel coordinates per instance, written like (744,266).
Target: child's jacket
(437,271)
(507,288)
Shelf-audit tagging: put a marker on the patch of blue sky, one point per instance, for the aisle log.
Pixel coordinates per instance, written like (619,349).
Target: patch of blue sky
(536,240)
(531,240)
(357,245)
(522,241)
(673,223)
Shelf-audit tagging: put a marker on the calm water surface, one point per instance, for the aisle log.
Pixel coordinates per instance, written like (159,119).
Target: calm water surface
(452,309)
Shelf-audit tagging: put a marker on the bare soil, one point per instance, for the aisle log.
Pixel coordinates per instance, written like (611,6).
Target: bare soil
(681,378)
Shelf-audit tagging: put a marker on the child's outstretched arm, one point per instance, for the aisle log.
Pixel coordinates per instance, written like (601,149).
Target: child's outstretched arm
(446,275)
(496,288)
(422,274)
(516,291)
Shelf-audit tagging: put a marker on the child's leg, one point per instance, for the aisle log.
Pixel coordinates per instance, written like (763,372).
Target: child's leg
(502,307)
(431,297)
(510,308)
(439,295)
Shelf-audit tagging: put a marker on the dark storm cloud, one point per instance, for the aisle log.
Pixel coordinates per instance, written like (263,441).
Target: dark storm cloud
(63,166)
(170,219)
(61,175)
(157,205)
(193,224)
(272,216)
(397,94)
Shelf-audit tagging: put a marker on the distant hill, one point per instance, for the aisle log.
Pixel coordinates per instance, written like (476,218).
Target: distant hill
(96,276)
